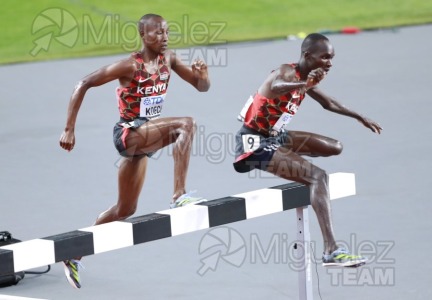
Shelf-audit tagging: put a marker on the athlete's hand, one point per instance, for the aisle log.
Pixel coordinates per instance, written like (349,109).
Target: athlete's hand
(199,69)
(315,77)
(374,126)
(67,140)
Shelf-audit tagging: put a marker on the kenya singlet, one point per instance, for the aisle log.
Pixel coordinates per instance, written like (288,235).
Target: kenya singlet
(145,95)
(271,115)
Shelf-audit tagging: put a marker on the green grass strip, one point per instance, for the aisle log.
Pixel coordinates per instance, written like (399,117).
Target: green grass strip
(35,30)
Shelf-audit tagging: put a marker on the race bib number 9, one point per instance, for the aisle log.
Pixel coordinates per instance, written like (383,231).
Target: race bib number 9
(251,142)
(151,107)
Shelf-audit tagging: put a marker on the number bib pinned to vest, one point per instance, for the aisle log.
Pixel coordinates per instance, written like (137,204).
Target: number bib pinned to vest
(151,106)
(251,142)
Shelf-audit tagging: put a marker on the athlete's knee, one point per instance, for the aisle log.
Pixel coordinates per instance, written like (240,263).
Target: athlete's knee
(337,148)
(320,177)
(333,147)
(186,128)
(188,124)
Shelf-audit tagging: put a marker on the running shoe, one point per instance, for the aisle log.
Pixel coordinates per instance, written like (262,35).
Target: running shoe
(186,199)
(342,258)
(71,268)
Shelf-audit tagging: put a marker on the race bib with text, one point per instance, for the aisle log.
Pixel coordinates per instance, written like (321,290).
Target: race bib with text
(151,106)
(283,120)
(251,142)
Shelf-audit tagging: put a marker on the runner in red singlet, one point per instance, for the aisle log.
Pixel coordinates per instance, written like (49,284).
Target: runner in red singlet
(264,141)
(143,80)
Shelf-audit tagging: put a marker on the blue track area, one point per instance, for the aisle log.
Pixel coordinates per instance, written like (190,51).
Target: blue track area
(383,75)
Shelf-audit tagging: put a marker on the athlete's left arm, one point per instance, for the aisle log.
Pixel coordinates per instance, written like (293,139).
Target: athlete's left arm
(332,105)
(196,75)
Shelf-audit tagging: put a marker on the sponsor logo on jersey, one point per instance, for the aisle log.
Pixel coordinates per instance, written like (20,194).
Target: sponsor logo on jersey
(153,100)
(151,107)
(143,80)
(164,76)
(292,107)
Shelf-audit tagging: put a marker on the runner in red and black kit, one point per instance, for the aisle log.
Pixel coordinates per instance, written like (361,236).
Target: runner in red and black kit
(265,141)
(143,79)
(264,127)
(141,101)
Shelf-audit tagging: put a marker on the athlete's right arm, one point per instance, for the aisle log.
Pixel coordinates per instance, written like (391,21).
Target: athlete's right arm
(122,70)
(280,82)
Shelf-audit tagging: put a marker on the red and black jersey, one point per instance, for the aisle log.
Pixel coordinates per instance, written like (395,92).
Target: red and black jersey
(263,113)
(145,95)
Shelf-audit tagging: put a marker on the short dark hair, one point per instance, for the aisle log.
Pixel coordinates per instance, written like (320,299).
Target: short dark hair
(311,40)
(144,21)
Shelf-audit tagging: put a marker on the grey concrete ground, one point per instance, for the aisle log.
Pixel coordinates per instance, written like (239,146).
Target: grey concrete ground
(46,191)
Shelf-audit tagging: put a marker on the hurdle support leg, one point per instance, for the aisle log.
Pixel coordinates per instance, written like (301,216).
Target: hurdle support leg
(173,222)
(304,254)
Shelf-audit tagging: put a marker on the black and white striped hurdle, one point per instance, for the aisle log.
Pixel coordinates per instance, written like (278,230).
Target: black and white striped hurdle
(163,224)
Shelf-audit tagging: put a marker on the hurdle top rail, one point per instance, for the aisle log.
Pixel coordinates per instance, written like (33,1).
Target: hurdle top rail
(172,222)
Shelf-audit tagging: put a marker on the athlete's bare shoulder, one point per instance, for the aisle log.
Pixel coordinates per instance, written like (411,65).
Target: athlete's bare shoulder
(123,69)
(287,72)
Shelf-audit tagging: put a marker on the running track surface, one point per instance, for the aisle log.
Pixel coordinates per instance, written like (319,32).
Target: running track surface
(384,75)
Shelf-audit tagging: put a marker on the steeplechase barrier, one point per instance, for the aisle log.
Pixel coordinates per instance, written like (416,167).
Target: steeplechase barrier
(172,222)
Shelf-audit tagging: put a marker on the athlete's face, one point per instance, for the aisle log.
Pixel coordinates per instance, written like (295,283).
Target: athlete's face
(320,56)
(155,35)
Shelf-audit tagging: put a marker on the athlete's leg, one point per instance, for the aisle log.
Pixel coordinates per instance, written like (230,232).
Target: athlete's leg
(312,144)
(130,181)
(156,134)
(131,176)
(291,166)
